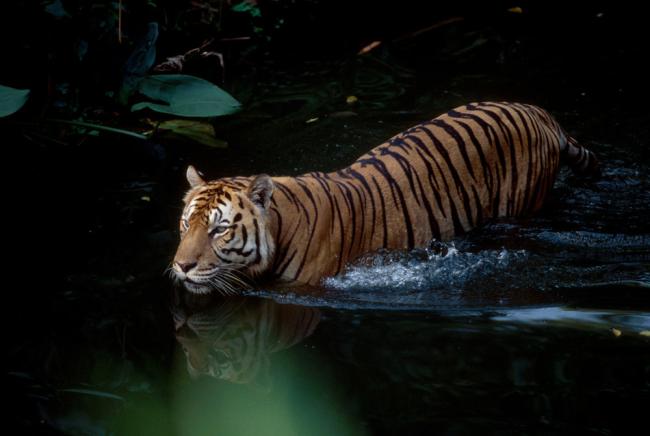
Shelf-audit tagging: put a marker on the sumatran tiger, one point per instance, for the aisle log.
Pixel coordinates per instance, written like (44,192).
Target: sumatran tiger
(436,180)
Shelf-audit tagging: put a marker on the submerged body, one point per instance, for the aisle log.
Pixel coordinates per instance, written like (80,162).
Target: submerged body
(434,181)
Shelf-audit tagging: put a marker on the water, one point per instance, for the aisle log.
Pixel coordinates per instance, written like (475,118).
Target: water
(522,326)
(532,326)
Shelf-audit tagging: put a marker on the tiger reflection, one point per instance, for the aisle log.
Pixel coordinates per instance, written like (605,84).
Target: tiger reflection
(232,339)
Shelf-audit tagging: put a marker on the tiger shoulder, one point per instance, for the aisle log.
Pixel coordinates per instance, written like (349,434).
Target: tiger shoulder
(436,180)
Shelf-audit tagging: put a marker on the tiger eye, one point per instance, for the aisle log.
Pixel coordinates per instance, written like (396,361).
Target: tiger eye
(218,230)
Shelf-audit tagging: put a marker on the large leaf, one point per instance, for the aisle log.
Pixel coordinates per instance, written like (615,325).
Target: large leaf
(195,131)
(11,100)
(185,96)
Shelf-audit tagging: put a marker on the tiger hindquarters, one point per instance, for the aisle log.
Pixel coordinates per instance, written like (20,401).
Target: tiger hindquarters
(579,159)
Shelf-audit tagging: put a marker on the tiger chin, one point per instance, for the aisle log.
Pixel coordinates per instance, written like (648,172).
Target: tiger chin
(436,180)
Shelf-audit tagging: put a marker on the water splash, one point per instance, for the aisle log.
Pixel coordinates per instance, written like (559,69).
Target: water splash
(445,268)
(463,276)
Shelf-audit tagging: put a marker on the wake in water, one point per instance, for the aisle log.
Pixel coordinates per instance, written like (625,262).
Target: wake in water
(445,268)
(464,275)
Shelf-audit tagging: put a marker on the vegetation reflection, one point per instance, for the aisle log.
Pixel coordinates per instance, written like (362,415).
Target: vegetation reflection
(239,381)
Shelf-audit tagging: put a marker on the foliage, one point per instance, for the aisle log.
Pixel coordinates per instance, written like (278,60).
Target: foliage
(185,96)
(199,132)
(11,100)
(101,54)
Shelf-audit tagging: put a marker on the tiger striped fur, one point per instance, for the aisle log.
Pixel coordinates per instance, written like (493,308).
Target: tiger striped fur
(434,181)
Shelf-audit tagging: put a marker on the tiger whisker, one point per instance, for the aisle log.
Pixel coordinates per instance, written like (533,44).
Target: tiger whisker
(169,271)
(238,280)
(228,279)
(223,287)
(235,276)
(216,284)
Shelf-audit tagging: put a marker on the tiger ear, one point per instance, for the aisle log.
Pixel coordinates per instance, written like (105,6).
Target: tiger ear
(194,177)
(260,191)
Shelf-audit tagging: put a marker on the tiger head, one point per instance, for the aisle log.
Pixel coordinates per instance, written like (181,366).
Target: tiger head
(225,237)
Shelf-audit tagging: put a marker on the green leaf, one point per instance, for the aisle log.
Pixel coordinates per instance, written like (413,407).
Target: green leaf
(251,8)
(195,131)
(11,100)
(56,9)
(185,96)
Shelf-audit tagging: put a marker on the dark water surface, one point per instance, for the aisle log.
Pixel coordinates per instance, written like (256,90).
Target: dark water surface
(536,326)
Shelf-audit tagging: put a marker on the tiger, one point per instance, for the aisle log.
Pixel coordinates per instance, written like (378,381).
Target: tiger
(434,181)
(233,339)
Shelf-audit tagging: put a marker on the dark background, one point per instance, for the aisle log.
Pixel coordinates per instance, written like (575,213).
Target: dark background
(90,245)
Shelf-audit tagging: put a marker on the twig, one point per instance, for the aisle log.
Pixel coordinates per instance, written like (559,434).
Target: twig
(428,29)
(119,22)
(368,48)
(99,127)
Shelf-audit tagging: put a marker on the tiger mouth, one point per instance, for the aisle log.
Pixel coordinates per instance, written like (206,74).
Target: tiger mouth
(197,287)
(225,282)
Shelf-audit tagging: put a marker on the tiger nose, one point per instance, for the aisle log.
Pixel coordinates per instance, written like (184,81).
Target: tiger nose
(185,267)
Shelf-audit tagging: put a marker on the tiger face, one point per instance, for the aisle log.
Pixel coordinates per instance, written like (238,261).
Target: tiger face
(225,239)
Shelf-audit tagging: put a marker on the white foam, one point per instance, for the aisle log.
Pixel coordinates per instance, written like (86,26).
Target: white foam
(419,270)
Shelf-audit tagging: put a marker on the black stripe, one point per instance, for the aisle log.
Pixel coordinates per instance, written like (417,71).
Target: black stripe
(282,268)
(258,253)
(347,196)
(365,184)
(381,167)
(460,186)
(326,190)
(489,132)
(451,131)
(434,228)
(526,148)
(382,212)
(278,231)
(363,204)
(493,138)
(510,142)
(307,191)
(406,166)
(341,229)
(513,151)
(432,181)
(223,259)
(536,156)
(455,218)
(293,198)
(485,166)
